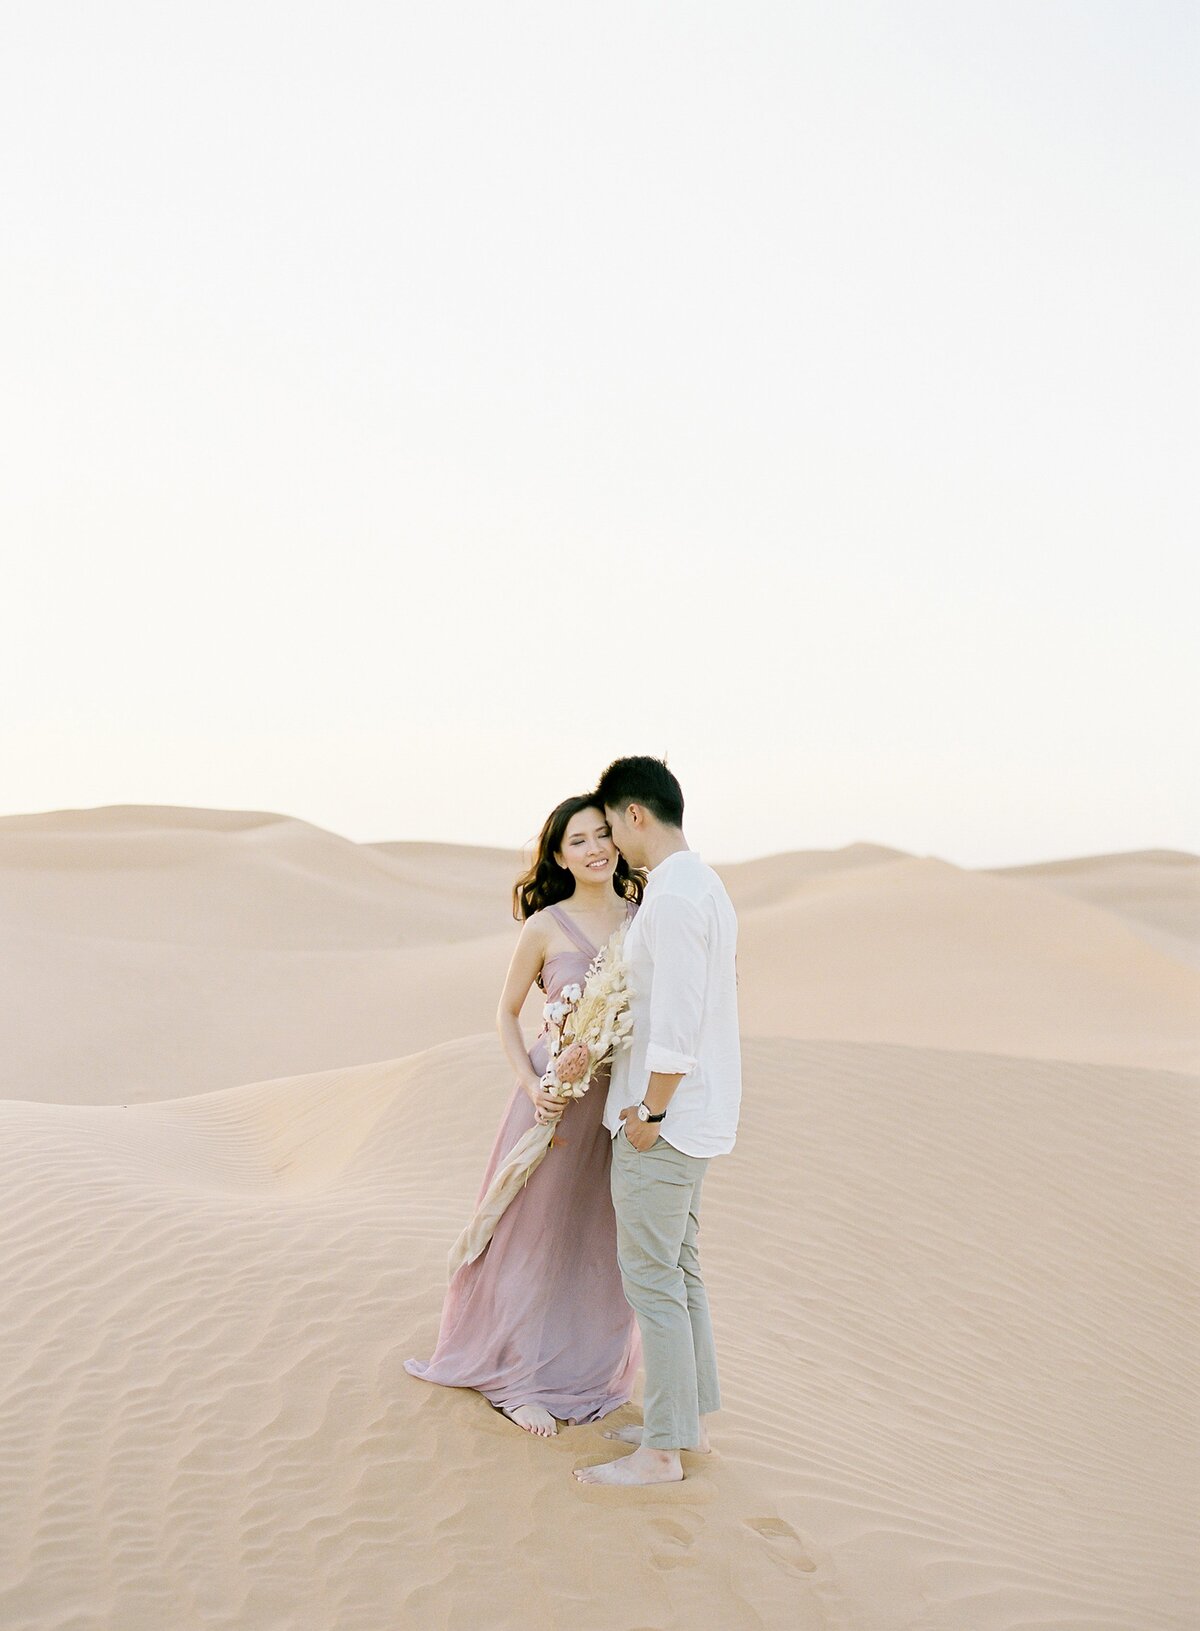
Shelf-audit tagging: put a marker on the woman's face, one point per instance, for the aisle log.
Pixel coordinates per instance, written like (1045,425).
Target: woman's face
(588,852)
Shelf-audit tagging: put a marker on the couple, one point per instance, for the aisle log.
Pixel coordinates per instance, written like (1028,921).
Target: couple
(543,1323)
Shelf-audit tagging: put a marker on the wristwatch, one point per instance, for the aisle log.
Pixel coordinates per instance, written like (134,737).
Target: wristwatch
(644,1114)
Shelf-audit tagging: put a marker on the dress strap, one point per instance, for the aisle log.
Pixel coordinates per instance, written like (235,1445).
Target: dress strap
(572,930)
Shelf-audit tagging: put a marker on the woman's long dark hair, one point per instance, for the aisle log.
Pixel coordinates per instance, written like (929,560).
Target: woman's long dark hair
(546,883)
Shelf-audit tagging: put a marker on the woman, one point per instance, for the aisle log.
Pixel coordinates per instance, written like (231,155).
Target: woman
(538,1323)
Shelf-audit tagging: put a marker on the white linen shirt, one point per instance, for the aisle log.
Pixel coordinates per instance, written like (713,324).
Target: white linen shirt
(680,954)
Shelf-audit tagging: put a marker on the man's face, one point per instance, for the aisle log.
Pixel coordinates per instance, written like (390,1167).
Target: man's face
(626,833)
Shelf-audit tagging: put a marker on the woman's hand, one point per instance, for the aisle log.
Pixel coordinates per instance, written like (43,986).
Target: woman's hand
(544,1102)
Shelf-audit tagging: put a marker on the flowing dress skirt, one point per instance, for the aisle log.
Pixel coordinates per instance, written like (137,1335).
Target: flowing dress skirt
(540,1316)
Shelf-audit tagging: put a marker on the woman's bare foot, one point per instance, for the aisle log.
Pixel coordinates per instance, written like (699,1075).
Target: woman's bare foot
(533,1419)
(633,1435)
(642,1467)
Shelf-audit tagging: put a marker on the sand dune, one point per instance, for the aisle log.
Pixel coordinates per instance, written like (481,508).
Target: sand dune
(952,1258)
(151,953)
(918,951)
(180,951)
(243,879)
(1156,891)
(949,1309)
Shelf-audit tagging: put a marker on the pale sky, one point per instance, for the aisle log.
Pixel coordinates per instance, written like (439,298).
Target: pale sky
(408,408)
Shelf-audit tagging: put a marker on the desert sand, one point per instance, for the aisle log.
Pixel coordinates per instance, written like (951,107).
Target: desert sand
(250,1083)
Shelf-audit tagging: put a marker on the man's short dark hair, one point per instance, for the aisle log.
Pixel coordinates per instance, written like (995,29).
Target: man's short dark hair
(641,780)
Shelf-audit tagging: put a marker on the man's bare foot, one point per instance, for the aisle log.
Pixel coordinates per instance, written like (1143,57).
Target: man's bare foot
(633,1435)
(642,1467)
(533,1419)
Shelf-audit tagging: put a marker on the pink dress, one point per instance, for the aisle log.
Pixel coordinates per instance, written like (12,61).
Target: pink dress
(540,1316)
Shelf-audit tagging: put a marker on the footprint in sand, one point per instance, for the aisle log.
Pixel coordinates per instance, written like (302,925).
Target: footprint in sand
(785,1544)
(674,1540)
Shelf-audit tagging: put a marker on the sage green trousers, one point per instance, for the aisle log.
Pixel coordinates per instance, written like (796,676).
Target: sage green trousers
(656,1196)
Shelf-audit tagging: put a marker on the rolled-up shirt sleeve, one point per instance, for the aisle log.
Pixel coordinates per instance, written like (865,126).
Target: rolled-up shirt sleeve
(678,942)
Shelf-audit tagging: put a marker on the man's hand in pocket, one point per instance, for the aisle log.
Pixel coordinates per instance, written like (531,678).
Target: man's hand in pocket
(643,1135)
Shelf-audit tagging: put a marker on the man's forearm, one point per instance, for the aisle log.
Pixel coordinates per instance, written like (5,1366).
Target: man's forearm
(660,1090)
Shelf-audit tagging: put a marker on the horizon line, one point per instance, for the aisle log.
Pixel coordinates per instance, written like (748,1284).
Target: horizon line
(1160,851)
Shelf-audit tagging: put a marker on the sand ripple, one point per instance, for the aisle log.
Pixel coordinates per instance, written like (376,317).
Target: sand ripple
(952,1296)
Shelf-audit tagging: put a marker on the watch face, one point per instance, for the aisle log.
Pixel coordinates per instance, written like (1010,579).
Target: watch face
(643,1113)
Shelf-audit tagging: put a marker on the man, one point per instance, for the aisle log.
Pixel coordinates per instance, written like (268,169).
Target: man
(672,1105)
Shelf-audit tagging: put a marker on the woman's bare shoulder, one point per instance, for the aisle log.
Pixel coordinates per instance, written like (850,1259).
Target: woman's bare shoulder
(536,924)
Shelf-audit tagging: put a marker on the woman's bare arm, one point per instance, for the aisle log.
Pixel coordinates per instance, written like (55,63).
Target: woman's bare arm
(527,958)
